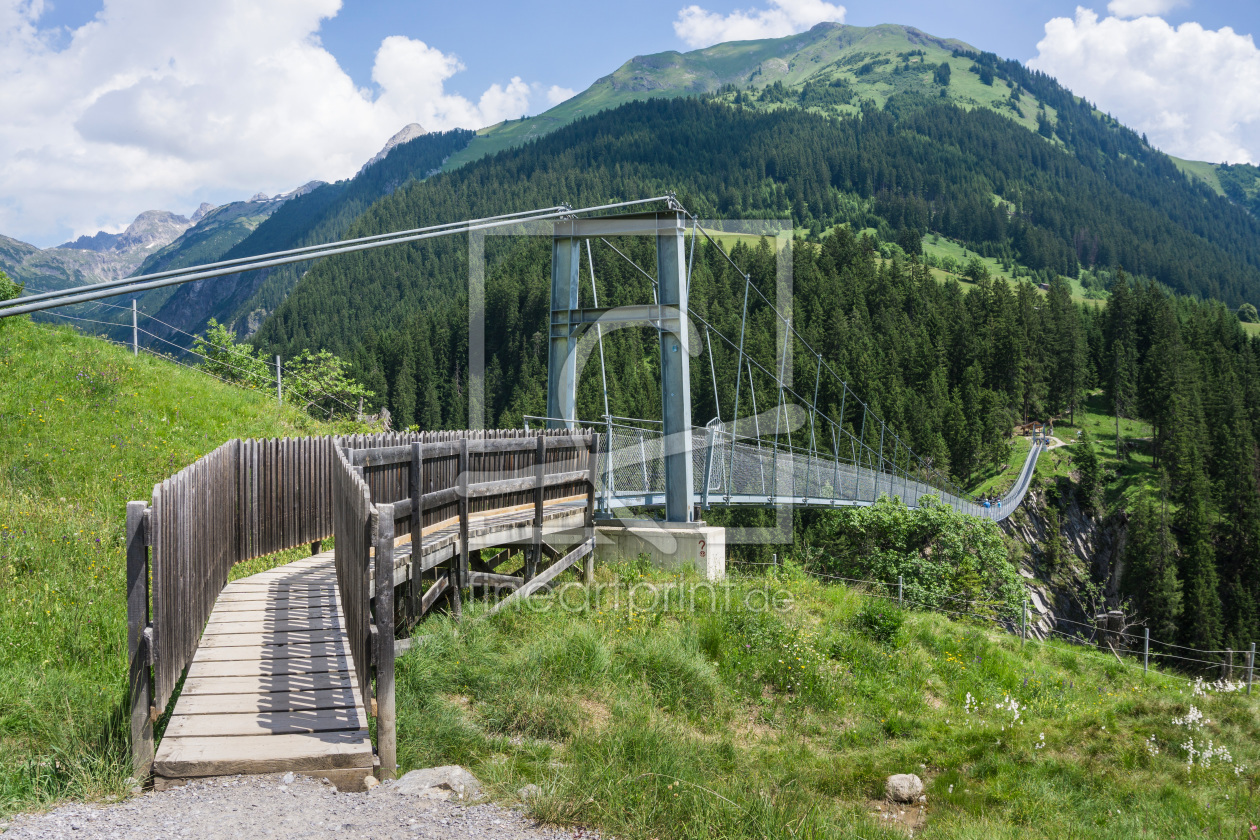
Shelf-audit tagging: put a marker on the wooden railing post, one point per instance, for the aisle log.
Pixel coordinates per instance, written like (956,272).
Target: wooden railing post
(416,488)
(138,654)
(386,727)
(540,472)
(462,483)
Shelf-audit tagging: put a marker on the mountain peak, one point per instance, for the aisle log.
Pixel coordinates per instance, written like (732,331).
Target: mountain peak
(152,228)
(407,133)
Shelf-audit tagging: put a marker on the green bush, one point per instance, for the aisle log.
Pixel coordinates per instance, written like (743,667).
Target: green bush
(879,622)
(941,554)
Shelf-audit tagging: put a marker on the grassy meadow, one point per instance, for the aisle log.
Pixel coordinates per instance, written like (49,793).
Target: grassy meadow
(711,717)
(86,427)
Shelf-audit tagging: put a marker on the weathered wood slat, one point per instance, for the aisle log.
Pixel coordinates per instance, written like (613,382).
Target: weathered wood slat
(260,667)
(542,578)
(266,723)
(268,684)
(432,594)
(491,579)
(271,638)
(277,701)
(252,754)
(271,652)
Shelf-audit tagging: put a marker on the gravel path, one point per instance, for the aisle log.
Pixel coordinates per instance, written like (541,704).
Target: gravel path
(266,807)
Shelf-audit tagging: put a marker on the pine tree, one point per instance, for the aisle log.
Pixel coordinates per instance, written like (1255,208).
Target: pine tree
(1150,568)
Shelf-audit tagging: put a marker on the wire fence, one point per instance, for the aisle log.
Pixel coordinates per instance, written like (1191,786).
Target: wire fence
(307,392)
(1029,628)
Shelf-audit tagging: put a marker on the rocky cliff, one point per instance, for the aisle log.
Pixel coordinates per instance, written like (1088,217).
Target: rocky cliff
(1073,560)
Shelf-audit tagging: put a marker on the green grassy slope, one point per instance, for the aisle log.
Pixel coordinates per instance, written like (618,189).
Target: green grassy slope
(84,428)
(724,720)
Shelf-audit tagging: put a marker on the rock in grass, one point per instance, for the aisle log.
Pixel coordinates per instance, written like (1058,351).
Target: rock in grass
(528,792)
(451,781)
(904,787)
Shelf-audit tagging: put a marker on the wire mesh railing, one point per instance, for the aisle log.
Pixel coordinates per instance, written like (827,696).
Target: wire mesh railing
(731,470)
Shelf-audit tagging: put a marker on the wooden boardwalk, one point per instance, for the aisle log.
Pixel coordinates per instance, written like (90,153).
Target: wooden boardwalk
(272,687)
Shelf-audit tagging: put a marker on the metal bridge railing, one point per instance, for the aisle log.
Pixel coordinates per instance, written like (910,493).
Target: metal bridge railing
(744,471)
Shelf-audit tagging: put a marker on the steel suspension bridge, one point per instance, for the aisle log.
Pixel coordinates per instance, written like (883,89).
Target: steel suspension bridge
(745,455)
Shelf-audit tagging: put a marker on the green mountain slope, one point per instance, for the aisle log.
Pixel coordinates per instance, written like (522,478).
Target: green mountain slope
(863,63)
(873,63)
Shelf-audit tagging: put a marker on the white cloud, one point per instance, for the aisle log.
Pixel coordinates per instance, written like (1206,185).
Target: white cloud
(155,104)
(699,27)
(557,94)
(1195,92)
(1138,8)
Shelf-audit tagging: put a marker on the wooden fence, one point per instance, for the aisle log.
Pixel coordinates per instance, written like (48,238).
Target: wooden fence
(252,498)
(436,488)
(246,499)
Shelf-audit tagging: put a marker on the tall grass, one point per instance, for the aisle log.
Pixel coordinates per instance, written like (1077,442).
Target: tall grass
(84,428)
(724,721)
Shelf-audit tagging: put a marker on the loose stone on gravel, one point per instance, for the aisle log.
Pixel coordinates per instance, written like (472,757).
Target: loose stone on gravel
(283,808)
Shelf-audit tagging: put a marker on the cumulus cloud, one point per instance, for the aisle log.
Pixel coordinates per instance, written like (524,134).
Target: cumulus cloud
(557,94)
(1137,8)
(160,105)
(699,27)
(1195,92)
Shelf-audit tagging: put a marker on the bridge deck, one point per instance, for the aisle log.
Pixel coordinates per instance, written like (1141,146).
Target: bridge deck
(272,687)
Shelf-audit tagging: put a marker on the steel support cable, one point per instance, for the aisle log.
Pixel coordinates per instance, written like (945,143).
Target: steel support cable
(599,330)
(844,385)
(21,306)
(636,266)
(773,378)
(717,405)
(124,281)
(84,320)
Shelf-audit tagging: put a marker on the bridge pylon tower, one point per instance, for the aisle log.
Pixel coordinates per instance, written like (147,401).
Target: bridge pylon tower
(667,314)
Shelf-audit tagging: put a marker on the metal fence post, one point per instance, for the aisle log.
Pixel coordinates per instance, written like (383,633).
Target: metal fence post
(608,455)
(1251,666)
(1023,632)
(135,330)
(1146,649)
(901,586)
(279,396)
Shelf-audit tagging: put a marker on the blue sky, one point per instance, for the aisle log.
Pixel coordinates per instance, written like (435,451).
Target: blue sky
(571,44)
(114,108)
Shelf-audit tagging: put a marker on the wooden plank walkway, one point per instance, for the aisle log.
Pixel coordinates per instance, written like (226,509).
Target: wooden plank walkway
(272,686)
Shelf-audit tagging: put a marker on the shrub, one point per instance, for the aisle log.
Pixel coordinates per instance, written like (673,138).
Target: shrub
(879,622)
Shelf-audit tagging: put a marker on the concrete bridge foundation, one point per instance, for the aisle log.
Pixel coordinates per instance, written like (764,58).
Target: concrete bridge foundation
(674,546)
